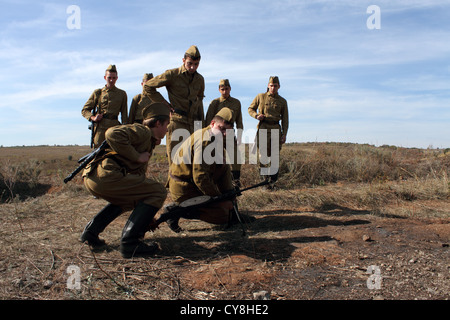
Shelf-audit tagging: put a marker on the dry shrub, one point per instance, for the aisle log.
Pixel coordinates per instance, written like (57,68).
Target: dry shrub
(329,163)
(18,178)
(430,188)
(360,177)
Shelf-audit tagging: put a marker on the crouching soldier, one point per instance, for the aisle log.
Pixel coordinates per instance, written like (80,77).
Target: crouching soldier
(119,178)
(199,169)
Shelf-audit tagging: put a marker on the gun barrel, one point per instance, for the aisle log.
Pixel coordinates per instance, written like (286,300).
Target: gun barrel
(85,161)
(263,183)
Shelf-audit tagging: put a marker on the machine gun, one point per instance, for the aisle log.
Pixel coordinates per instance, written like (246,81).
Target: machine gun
(84,161)
(184,207)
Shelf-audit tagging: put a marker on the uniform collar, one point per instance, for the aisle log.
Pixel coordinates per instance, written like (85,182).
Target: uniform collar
(105,88)
(185,71)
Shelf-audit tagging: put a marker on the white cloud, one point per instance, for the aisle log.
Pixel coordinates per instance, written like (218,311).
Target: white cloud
(332,68)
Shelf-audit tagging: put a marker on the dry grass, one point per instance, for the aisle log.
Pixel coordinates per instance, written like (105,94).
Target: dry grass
(308,230)
(315,175)
(355,176)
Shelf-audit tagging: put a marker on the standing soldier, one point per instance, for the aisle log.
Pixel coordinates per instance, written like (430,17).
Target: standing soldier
(139,102)
(103,107)
(269,108)
(234,105)
(119,178)
(185,88)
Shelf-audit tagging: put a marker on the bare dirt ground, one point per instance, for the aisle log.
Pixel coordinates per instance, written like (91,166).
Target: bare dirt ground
(291,252)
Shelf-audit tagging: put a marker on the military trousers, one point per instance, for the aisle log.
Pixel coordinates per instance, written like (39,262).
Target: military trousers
(171,144)
(265,151)
(100,130)
(234,156)
(123,189)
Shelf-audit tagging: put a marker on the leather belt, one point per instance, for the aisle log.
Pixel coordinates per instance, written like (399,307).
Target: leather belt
(180,112)
(110,117)
(180,179)
(270,121)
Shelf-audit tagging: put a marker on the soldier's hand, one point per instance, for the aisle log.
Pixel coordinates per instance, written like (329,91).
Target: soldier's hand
(143,157)
(260,117)
(97,117)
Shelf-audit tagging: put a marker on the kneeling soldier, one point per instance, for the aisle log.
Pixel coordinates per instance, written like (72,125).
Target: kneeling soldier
(119,178)
(192,174)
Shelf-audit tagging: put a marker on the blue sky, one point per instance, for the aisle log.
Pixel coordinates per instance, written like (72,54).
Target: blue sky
(343,81)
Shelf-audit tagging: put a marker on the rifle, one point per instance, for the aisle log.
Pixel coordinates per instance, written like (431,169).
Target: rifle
(85,160)
(202,201)
(93,126)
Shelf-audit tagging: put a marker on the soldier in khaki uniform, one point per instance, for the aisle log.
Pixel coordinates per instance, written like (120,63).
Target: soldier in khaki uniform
(192,173)
(234,105)
(139,102)
(110,101)
(185,88)
(270,108)
(119,178)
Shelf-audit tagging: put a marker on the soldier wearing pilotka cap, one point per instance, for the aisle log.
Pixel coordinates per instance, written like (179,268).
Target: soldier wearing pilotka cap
(139,102)
(104,105)
(185,88)
(119,178)
(225,100)
(191,174)
(269,109)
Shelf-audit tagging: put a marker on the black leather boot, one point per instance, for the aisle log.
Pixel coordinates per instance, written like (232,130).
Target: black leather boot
(131,244)
(186,214)
(274,178)
(173,222)
(173,225)
(98,224)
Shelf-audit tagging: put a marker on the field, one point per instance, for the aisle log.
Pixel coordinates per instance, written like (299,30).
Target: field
(345,222)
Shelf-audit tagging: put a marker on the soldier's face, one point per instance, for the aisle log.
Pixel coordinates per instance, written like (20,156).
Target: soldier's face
(220,128)
(273,88)
(160,130)
(111,78)
(225,91)
(191,65)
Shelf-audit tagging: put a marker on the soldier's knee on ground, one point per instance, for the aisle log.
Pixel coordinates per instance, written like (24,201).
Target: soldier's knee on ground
(217,214)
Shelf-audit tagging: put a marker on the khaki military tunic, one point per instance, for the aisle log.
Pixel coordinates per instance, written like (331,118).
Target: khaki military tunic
(235,106)
(192,176)
(118,177)
(275,108)
(231,103)
(138,104)
(186,93)
(111,102)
